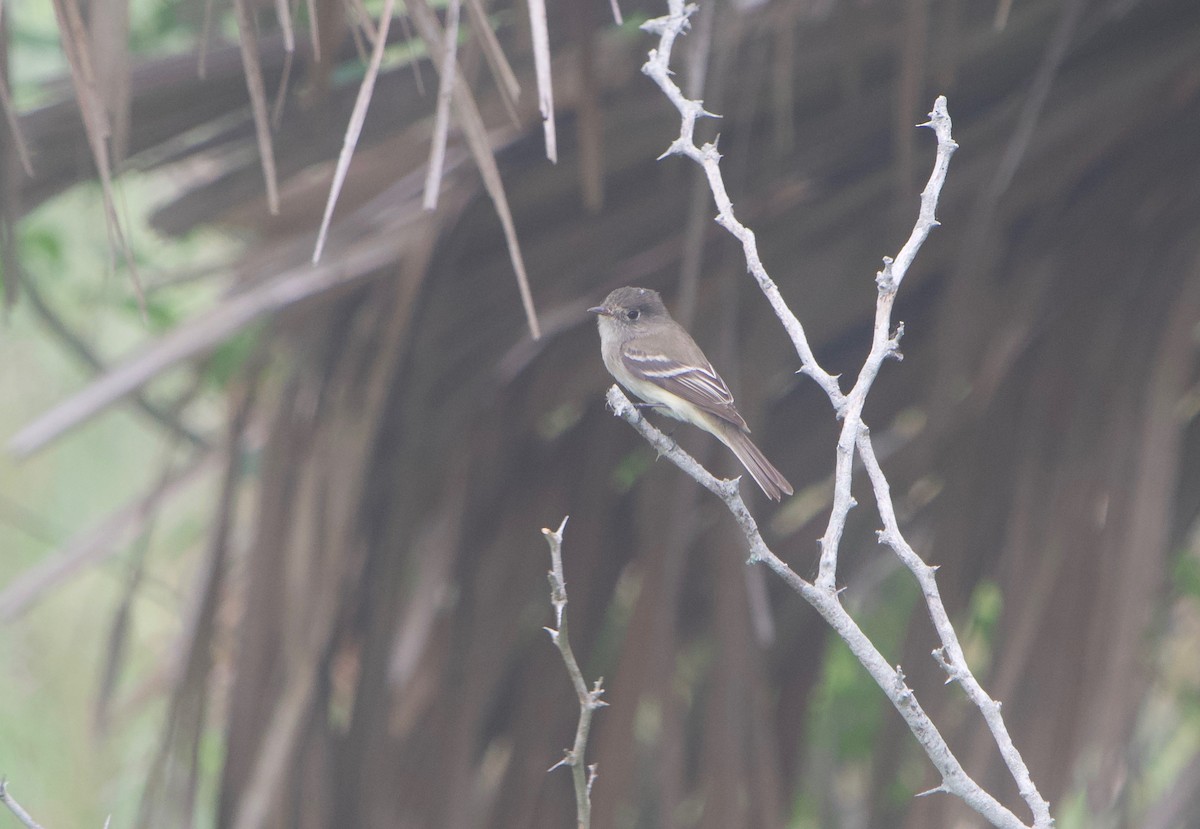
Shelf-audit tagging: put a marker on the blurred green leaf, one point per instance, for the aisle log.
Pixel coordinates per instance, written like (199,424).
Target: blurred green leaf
(160,316)
(229,357)
(1185,575)
(42,248)
(632,467)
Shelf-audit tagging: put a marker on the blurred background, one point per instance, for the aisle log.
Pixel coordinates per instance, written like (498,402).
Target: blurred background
(271,531)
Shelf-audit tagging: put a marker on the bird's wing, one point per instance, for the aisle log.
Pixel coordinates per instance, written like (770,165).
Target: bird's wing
(698,382)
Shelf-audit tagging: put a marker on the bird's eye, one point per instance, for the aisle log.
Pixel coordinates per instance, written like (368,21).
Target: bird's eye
(633,313)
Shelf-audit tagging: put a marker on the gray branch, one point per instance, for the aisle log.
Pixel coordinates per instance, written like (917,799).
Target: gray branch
(15,807)
(853,439)
(826,602)
(589,700)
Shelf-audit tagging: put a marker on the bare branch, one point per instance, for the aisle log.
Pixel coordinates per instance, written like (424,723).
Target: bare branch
(284,15)
(353,129)
(314,30)
(502,71)
(884,343)
(281,92)
(854,438)
(91,546)
(75,344)
(205,332)
(358,11)
(540,33)
(476,135)
(96,126)
(950,656)
(205,35)
(657,68)
(15,807)
(14,125)
(258,101)
(589,700)
(828,604)
(441,121)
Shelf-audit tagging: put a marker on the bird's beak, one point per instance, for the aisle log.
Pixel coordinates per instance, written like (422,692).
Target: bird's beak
(601,311)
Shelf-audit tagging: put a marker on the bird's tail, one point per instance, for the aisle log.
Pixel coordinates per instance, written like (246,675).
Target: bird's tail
(769,478)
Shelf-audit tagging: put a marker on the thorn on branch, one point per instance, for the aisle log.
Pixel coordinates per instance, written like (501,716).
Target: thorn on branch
(709,151)
(936,789)
(568,759)
(729,486)
(953,674)
(885,279)
(557,534)
(593,697)
(893,344)
(888,281)
(688,10)
(589,701)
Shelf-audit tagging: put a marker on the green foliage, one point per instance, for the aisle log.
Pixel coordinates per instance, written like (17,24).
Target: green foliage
(848,710)
(558,420)
(42,250)
(160,315)
(983,620)
(62,769)
(1185,575)
(35,49)
(631,468)
(230,357)
(986,604)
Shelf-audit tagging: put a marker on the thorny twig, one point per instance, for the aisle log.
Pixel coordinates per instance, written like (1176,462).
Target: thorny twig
(854,439)
(828,604)
(589,700)
(15,807)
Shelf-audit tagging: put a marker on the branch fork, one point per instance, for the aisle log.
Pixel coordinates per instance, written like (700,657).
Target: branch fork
(854,440)
(589,699)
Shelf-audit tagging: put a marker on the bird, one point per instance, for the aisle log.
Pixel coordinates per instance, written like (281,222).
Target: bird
(653,356)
